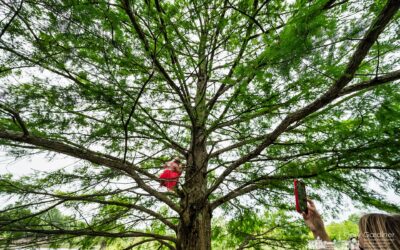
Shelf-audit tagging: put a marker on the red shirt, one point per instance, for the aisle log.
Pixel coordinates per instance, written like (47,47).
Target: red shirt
(170,178)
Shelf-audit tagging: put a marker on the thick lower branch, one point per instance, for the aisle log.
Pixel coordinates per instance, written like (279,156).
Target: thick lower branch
(361,52)
(262,181)
(94,157)
(366,85)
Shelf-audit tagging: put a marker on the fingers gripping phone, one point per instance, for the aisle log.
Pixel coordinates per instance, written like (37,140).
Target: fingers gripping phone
(300,196)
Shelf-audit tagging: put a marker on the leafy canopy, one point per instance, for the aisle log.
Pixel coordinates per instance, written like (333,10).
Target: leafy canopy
(273,90)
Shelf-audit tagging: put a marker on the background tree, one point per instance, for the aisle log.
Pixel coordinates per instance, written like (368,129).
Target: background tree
(343,231)
(250,93)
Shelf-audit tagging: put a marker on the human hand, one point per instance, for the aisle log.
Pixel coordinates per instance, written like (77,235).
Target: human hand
(314,221)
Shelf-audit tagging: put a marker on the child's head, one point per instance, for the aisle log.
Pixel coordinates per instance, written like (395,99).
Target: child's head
(175,165)
(179,168)
(177,160)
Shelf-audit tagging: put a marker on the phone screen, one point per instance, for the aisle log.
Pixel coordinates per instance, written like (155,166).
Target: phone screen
(301,196)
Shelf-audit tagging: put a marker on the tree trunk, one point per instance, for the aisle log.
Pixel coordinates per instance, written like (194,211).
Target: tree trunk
(194,231)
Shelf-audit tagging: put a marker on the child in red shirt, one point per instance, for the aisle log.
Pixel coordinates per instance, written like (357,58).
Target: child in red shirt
(170,176)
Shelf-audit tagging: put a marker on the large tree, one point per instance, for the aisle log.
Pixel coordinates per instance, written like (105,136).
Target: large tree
(251,94)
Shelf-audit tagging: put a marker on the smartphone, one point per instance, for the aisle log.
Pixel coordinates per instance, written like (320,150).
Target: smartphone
(300,196)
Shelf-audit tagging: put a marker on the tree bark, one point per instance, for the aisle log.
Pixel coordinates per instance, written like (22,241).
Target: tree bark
(194,230)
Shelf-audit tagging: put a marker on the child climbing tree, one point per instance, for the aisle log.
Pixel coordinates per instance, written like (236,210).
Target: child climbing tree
(172,171)
(250,94)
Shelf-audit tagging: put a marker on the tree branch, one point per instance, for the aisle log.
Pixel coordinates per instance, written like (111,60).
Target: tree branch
(362,50)
(366,85)
(127,234)
(261,181)
(11,20)
(389,77)
(133,111)
(174,59)
(132,17)
(91,156)
(17,117)
(6,223)
(115,203)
